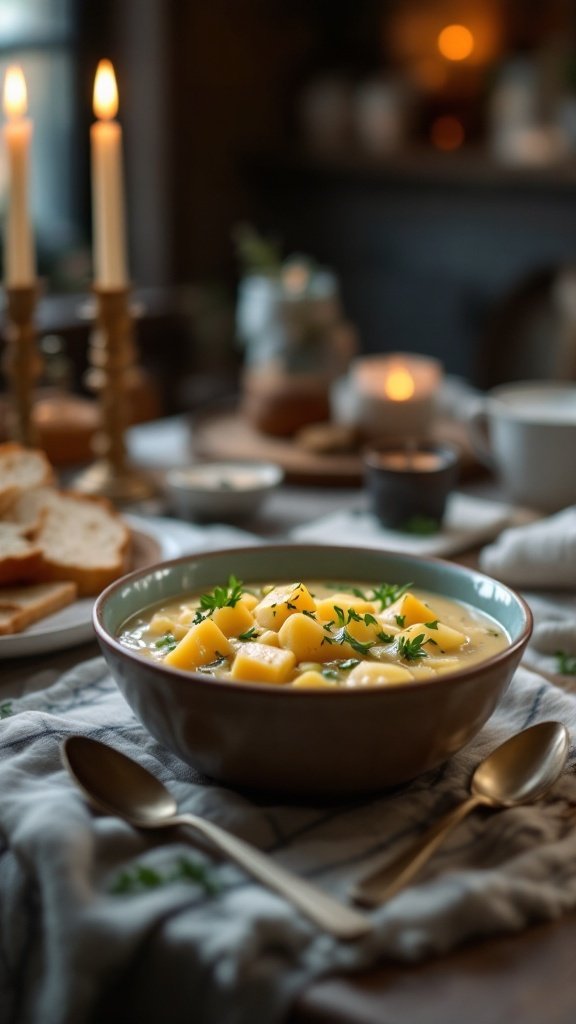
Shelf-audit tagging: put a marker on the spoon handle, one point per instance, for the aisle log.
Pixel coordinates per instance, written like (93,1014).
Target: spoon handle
(341,921)
(381,883)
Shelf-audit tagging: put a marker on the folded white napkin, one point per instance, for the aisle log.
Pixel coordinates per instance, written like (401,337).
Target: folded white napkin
(468,521)
(540,554)
(99,921)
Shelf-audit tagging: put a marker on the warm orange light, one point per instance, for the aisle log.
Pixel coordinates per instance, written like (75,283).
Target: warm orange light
(447,133)
(456,42)
(105,100)
(15,96)
(399,385)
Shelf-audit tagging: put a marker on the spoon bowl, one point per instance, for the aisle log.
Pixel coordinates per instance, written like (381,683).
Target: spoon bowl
(115,784)
(518,771)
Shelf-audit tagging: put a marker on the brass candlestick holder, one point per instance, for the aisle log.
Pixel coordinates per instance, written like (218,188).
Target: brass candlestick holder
(112,357)
(21,363)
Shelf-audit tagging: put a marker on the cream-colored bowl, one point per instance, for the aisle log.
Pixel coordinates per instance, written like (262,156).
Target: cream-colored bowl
(309,743)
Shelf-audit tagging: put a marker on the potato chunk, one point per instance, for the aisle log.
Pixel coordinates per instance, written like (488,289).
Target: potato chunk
(233,621)
(312,680)
(262,663)
(268,637)
(369,673)
(203,643)
(410,609)
(281,602)
(443,638)
(161,624)
(309,640)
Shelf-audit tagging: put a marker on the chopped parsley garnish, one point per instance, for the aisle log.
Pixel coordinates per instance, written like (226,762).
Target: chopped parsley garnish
(385,638)
(330,673)
(309,613)
(385,594)
(421,525)
(566,663)
(334,669)
(141,877)
(211,666)
(166,643)
(343,636)
(249,634)
(400,620)
(411,650)
(432,625)
(222,597)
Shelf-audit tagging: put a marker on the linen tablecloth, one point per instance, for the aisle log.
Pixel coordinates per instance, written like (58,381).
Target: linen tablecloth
(101,922)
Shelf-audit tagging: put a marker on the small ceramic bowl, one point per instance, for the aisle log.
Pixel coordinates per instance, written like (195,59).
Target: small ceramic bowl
(221,490)
(309,743)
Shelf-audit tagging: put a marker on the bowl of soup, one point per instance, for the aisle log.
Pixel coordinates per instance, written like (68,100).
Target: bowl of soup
(311,670)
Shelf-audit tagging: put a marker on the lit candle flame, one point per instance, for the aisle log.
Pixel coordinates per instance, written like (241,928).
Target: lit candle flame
(15,95)
(399,385)
(105,99)
(456,42)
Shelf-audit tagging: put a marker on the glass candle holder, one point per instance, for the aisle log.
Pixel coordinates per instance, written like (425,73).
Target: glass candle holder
(409,485)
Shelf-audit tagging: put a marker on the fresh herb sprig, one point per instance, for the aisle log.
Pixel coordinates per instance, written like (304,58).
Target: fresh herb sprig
(385,594)
(249,634)
(566,663)
(412,650)
(343,635)
(141,878)
(166,643)
(220,597)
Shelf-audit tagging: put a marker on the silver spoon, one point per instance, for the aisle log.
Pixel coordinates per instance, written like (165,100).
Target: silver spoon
(520,770)
(116,784)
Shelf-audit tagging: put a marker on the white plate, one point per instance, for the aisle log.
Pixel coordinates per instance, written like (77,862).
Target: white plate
(73,625)
(156,539)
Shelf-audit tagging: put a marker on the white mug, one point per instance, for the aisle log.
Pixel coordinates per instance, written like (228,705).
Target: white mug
(526,432)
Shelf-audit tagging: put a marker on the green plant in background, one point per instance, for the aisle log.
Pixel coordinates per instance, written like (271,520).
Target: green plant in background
(257,254)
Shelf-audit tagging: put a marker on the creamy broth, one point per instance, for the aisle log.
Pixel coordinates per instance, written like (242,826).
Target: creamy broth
(311,635)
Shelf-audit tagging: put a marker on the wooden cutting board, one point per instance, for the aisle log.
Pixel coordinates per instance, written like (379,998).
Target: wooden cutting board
(231,436)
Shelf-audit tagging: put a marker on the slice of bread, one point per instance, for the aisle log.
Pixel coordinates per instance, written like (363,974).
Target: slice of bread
(21,469)
(20,558)
(21,606)
(82,539)
(27,509)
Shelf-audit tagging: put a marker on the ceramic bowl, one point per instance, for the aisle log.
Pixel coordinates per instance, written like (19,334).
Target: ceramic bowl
(221,490)
(309,743)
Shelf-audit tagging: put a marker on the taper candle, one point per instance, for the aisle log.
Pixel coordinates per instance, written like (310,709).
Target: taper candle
(109,249)
(19,255)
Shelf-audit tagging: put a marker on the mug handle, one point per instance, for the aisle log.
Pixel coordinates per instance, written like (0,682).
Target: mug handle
(479,437)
